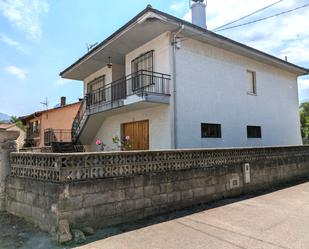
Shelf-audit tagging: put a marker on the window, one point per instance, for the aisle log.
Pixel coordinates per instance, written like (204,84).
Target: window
(254,131)
(142,68)
(251,82)
(143,62)
(35,127)
(211,130)
(96,84)
(93,87)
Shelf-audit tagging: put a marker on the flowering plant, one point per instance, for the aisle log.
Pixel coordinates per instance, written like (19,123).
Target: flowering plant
(122,144)
(101,145)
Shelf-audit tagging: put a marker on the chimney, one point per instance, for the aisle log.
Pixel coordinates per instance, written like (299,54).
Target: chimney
(198,8)
(62,101)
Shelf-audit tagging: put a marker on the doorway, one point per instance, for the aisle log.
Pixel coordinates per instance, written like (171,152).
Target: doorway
(138,133)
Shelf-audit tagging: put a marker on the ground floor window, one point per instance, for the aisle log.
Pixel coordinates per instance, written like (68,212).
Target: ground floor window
(254,131)
(210,130)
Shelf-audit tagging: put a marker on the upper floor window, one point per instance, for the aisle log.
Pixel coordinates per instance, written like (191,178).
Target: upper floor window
(251,82)
(35,126)
(143,62)
(254,131)
(96,84)
(211,130)
(142,79)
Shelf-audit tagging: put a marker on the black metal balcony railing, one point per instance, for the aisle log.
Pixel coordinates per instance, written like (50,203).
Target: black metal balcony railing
(57,135)
(140,83)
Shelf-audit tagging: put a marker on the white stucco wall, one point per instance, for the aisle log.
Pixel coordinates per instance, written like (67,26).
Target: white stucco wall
(159,127)
(118,72)
(111,74)
(212,88)
(103,71)
(161,46)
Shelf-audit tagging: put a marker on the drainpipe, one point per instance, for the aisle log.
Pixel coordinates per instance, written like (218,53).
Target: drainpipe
(174,83)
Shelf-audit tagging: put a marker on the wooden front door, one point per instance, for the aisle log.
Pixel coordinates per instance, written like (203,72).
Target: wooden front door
(138,133)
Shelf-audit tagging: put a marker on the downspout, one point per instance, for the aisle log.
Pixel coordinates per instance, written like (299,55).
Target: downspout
(174,43)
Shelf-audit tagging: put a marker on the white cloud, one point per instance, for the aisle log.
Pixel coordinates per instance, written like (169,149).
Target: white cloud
(285,35)
(303,84)
(16,71)
(25,15)
(62,82)
(179,6)
(9,41)
(298,50)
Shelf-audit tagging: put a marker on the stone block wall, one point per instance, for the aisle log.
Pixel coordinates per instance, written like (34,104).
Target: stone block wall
(115,199)
(106,202)
(36,201)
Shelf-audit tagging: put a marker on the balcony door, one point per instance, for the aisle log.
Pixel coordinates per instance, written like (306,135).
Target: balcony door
(142,68)
(138,133)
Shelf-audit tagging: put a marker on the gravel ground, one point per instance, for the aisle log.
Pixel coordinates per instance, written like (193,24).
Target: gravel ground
(17,233)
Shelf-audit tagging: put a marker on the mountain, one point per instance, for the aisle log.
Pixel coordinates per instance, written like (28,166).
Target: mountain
(5,118)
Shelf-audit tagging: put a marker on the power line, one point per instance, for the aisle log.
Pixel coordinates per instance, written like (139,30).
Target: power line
(257,11)
(265,18)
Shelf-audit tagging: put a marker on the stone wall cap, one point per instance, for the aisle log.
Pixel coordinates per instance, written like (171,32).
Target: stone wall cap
(161,151)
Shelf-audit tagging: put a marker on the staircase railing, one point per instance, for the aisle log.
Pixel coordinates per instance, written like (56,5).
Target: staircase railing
(76,125)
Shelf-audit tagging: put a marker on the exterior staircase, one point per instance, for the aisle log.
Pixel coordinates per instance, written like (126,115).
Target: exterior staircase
(79,121)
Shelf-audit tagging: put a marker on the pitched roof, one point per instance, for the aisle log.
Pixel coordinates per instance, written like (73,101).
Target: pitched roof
(39,113)
(6,126)
(203,31)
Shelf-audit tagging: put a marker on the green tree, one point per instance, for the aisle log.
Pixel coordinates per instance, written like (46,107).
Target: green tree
(18,122)
(304,119)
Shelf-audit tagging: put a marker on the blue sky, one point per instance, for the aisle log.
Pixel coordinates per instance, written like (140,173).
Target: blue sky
(40,38)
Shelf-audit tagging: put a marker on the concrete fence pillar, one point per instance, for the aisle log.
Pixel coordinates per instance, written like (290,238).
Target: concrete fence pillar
(7,145)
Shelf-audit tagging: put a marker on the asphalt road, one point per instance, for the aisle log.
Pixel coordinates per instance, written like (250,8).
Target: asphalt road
(276,220)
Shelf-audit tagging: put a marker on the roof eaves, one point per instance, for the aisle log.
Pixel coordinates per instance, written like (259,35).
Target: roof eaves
(39,113)
(134,19)
(305,70)
(180,21)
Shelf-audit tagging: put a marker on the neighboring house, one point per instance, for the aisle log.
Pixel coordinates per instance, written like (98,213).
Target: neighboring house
(52,125)
(168,83)
(14,127)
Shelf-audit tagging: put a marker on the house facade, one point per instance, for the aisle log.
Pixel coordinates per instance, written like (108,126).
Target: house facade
(167,83)
(52,125)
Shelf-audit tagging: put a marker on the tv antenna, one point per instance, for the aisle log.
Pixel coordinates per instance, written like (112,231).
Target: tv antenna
(45,104)
(91,46)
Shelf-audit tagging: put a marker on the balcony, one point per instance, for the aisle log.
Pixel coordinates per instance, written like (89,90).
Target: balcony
(140,86)
(57,135)
(137,90)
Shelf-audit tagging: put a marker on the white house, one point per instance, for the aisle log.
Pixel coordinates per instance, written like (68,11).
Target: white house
(168,83)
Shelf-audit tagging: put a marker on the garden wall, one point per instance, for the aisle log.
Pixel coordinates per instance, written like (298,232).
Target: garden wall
(104,189)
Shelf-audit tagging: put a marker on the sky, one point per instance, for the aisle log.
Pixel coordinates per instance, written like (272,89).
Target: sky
(40,38)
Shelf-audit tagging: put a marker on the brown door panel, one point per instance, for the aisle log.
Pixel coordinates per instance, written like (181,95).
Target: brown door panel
(139,134)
